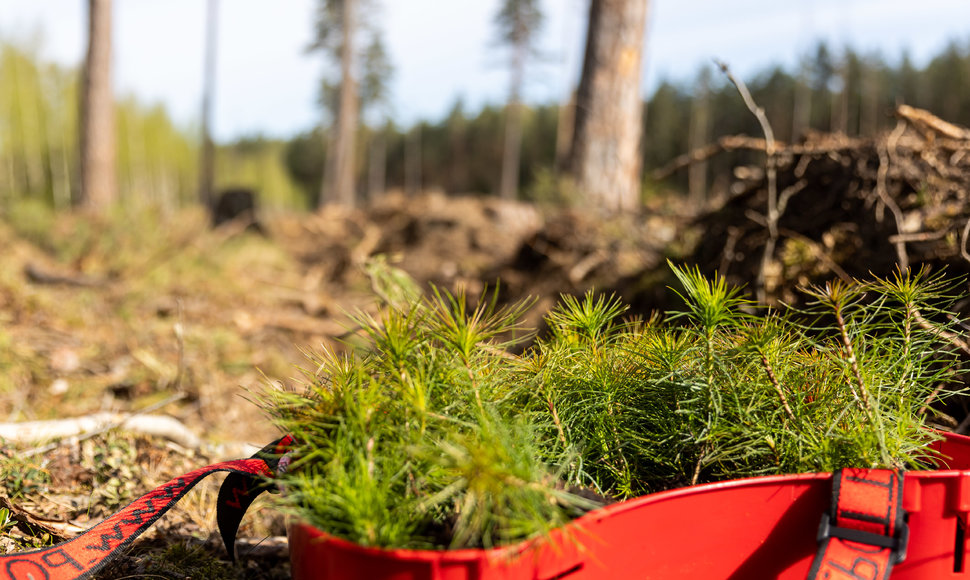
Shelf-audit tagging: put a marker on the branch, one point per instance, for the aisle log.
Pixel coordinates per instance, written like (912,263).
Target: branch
(963,241)
(884,159)
(726,143)
(771,172)
(89,426)
(37,275)
(926,121)
(32,525)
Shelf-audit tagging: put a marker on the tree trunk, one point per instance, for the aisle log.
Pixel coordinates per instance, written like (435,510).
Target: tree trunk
(412,162)
(207,156)
(840,103)
(604,160)
(869,116)
(458,180)
(699,135)
(343,148)
(564,132)
(377,165)
(511,152)
(801,106)
(98,179)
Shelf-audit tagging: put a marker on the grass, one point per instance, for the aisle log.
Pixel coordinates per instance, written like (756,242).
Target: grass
(433,435)
(151,272)
(183,560)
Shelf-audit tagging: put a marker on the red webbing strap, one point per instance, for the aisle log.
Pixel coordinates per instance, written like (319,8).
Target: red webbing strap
(864,533)
(84,555)
(239,490)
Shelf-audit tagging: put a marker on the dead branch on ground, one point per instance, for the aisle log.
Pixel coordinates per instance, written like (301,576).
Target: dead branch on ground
(31,432)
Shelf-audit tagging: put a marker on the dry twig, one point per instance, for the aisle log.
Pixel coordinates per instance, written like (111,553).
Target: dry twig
(771,174)
(95,424)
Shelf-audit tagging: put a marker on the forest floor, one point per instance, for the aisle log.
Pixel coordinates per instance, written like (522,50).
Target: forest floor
(152,313)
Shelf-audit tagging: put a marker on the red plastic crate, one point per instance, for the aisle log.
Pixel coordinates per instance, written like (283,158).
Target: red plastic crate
(762,527)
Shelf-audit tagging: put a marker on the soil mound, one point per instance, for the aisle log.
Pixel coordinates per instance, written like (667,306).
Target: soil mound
(471,244)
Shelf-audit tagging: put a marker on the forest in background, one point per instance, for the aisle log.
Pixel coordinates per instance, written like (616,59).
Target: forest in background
(839,91)
(157,160)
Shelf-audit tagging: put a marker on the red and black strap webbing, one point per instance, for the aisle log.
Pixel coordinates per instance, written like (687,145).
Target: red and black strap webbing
(84,555)
(239,489)
(864,534)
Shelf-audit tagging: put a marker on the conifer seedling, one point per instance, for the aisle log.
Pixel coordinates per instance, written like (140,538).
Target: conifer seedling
(434,435)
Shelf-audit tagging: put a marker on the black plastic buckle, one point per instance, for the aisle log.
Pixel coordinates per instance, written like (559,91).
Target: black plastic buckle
(897,544)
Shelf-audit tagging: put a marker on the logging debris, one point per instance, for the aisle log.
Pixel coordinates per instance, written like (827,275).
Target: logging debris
(849,206)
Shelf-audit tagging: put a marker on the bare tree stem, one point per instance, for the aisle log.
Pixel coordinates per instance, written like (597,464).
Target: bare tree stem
(771,174)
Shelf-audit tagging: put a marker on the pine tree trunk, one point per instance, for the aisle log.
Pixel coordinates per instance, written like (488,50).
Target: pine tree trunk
(98,179)
(840,103)
(412,162)
(605,155)
(869,116)
(377,165)
(564,131)
(342,186)
(511,152)
(699,135)
(458,155)
(801,106)
(207,154)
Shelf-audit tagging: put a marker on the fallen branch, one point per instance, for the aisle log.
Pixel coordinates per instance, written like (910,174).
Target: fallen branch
(37,275)
(951,337)
(963,241)
(731,143)
(937,134)
(31,432)
(928,122)
(727,143)
(30,524)
(579,271)
(819,252)
(902,257)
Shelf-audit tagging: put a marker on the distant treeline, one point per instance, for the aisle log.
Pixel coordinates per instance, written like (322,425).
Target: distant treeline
(830,91)
(157,161)
(461,153)
(845,92)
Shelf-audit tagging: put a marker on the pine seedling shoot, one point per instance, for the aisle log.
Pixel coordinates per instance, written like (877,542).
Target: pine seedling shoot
(435,434)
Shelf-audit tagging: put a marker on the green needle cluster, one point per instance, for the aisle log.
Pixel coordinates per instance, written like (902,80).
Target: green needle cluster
(434,435)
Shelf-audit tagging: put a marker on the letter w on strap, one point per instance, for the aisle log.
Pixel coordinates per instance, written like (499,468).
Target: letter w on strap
(864,533)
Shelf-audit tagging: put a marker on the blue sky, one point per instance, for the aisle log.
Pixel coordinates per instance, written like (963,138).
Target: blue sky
(443,50)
